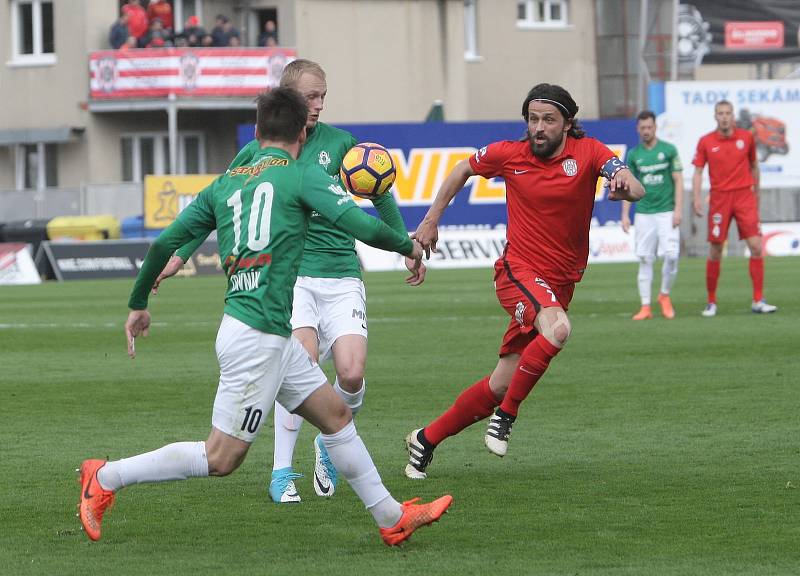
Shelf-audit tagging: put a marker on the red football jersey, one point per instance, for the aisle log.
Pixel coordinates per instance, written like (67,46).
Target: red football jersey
(549,202)
(729,159)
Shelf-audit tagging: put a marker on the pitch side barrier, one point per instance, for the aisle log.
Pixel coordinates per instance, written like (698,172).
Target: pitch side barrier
(114,259)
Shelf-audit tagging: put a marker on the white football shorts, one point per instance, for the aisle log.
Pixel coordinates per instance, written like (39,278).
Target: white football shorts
(655,235)
(333,307)
(255,370)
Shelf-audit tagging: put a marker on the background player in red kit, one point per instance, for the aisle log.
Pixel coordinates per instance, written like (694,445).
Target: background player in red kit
(550,186)
(733,170)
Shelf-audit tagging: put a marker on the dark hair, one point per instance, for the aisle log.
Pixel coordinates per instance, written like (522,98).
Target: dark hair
(722,103)
(281,114)
(645,114)
(561,99)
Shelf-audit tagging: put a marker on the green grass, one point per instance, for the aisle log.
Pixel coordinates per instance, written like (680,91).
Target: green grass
(648,448)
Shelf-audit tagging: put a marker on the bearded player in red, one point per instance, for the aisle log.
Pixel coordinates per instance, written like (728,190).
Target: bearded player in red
(550,177)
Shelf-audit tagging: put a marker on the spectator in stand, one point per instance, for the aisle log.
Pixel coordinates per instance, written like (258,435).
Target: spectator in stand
(162,10)
(223,31)
(119,31)
(156,37)
(232,34)
(137,19)
(269,37)
(218,35)
(193,32)
(129,44)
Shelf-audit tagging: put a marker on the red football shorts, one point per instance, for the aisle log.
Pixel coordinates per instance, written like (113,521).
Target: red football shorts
(740,204)
(523,292)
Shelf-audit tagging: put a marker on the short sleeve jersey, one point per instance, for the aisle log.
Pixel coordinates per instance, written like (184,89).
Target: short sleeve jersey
(729,159)
(549,203)
(653,167)
(329,252)
(261,212)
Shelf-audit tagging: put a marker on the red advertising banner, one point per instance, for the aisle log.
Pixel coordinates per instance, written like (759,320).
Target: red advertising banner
(754,35)
(159,72)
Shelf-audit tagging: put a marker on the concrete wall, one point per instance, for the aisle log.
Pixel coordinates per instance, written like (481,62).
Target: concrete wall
(515,59)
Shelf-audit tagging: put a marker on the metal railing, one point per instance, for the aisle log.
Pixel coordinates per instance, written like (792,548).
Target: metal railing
(121,200)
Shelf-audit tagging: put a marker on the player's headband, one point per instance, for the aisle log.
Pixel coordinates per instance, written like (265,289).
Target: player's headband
(554,102)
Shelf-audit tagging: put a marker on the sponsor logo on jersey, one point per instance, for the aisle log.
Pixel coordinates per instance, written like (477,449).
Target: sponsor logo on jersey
(232,263)
(256,170)
(245,280)
(324,159)
(570,167)
(740,144)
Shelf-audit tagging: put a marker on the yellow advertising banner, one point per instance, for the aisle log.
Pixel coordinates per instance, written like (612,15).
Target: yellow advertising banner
(166,196)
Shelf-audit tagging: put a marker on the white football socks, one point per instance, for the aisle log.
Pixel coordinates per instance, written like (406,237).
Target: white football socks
(668,273)
(287,429)
(351,459)
(177,461)
(645,279)
(353,399)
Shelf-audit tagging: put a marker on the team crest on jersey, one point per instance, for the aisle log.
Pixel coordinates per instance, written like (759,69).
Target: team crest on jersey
(519,313)
(716,218)
(324,158)
(740,144)
(660,155)
(570,166)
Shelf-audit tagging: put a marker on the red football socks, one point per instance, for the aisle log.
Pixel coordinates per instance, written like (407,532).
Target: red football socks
(757,276)
(472,405)
(532,364)
(712,278)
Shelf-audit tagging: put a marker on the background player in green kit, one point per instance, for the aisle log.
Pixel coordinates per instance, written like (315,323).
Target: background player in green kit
(261,213)
(330,314)
(657,166)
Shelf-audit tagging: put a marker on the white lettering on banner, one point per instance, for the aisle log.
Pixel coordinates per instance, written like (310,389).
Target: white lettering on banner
(480,248)
(94,264)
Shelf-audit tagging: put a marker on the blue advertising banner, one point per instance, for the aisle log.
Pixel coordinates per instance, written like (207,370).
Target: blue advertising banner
(425,153)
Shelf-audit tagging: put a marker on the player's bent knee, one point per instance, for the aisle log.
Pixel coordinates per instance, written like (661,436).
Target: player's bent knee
(555,327)
(351,378)
(223,464)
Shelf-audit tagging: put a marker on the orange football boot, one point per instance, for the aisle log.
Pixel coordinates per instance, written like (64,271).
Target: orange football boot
(414,516)
(644,313)
(667,311)
(94,499)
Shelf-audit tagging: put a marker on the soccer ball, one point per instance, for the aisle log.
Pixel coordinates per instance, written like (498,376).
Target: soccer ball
(367,170)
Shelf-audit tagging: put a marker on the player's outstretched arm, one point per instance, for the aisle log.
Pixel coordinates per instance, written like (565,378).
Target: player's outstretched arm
(427,232)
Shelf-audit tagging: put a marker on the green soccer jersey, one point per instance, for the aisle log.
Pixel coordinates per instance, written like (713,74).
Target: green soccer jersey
(261,212)
(329,252)
(653,168)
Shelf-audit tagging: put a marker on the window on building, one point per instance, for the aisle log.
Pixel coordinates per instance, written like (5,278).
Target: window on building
(37,166)
(542,14)
(148,153)
(471,30)
(32,32)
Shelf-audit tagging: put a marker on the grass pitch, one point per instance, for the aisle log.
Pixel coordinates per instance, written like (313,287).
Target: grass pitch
(661,447)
